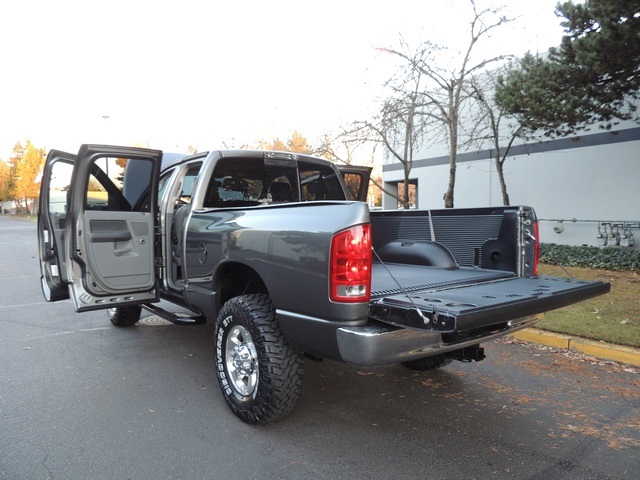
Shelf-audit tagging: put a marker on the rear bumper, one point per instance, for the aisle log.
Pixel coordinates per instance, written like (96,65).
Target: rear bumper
(382,345)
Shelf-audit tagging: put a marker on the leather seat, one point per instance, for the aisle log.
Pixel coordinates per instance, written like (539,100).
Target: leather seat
(177,236)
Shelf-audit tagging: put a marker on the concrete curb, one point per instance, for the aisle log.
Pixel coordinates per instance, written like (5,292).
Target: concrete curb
(601,350)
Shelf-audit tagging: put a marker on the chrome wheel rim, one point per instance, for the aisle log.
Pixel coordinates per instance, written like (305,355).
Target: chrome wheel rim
(241,361)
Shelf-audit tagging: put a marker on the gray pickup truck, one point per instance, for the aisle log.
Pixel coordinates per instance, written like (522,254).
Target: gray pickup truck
(279,250)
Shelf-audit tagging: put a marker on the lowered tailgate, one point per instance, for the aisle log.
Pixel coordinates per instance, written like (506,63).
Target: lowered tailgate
(442,300)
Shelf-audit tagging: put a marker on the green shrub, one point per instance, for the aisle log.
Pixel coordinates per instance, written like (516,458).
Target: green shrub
(606,258)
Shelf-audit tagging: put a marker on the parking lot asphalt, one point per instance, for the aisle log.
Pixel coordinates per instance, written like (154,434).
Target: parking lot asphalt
(602,350)
(81,399)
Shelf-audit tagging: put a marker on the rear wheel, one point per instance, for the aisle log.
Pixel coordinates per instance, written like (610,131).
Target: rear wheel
(124,316)
(428,363)
(259,372)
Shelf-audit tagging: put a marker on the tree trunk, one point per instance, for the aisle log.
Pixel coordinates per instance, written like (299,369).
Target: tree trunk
(448,196)
(453,149)
(503,185)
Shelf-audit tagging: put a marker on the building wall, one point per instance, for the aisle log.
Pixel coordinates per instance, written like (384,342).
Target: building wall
(7,207)
(592,178)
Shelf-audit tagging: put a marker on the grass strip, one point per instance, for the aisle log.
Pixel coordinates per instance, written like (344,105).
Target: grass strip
(613,318)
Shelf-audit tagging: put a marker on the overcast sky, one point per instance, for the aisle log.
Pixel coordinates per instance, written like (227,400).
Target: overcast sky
(169,74)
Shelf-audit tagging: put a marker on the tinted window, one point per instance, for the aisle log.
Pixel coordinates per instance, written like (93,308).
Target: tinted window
(319,183)
(235,183)
(239,182)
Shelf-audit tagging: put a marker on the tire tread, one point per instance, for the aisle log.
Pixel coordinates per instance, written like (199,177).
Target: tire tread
(124,316)
(281,367)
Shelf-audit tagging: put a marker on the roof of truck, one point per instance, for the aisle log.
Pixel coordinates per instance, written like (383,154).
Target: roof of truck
(170,158)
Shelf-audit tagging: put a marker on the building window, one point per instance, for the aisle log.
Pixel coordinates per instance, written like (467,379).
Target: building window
(413,193)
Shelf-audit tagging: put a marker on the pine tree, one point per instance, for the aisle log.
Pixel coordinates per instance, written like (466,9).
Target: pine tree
(593,77)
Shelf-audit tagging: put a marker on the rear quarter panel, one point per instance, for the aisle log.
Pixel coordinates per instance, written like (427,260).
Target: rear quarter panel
(287,245)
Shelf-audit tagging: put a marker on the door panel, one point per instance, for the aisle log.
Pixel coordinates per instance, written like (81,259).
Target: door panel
(113,222)
(52,217)
(121,251)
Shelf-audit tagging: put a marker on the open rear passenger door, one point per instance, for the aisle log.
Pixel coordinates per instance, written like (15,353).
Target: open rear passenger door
(356,179)
(110,228)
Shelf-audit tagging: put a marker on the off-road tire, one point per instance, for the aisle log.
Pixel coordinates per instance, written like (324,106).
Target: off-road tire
(124,316)
(259,372)
(428,363)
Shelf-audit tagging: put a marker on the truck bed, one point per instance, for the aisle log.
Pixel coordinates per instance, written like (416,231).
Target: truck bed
(391,279)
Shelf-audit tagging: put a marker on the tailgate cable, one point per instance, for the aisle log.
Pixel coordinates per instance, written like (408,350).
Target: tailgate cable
(426,320)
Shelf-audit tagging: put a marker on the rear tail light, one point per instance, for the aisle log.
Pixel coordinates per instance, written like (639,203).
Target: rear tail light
(350,265)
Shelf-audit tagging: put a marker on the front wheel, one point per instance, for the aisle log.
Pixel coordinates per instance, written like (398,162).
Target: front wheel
(124,316)
(259,372)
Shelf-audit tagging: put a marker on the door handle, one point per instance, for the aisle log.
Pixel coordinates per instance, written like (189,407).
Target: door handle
(120,251)
(121,236)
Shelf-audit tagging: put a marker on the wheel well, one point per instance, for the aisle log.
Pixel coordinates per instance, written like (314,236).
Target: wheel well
(238,279)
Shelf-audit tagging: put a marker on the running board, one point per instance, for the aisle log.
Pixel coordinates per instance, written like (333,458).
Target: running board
(173,318)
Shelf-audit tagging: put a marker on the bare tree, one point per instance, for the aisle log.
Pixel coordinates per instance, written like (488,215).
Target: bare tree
(342,149)
(491,116)
(445,92)
(348,150)
(399,127)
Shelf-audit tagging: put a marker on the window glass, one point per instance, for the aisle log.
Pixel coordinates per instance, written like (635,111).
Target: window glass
(281,180)
(353,182)
(319,183)
(239,182)
(413,188)
(59,186)
(118,184)
(189,183)
(235,183)
(162,184)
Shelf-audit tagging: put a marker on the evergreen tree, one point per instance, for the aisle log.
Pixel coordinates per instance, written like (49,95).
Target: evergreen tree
(593,77)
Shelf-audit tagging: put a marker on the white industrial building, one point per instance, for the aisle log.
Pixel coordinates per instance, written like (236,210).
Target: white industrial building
(584,188)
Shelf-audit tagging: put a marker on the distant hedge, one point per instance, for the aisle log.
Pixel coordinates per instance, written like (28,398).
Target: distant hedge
(606,258)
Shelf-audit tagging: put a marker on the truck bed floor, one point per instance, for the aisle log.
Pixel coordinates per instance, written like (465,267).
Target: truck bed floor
(393,278)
